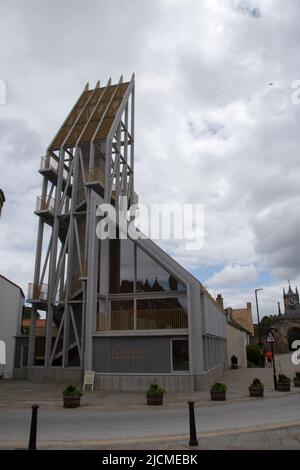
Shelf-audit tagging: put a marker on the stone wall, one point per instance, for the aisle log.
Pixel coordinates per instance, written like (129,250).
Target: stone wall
(283,326)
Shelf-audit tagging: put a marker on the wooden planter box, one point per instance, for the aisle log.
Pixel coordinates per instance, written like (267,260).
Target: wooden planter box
(71,401)
(217,396)
(284,387)
(155,399)
(256,392)
(296,382)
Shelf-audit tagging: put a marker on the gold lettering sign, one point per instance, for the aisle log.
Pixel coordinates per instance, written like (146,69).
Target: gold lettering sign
(119,352)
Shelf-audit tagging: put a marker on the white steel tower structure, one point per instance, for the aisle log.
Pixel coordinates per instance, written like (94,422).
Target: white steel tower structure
(90,159)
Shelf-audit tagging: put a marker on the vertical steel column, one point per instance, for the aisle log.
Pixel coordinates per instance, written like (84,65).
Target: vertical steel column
(132,139)
(53,256)
(117,171)
(91,303)
(126,149)
(36,281)
(71,246)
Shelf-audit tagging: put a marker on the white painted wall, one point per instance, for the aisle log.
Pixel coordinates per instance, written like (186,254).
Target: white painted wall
(11,302)
(215,320)
(237,341)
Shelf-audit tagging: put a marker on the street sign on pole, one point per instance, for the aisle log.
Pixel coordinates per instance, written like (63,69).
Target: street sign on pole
(270,338)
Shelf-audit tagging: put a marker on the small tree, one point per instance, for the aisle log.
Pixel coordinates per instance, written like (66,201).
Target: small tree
(253,354)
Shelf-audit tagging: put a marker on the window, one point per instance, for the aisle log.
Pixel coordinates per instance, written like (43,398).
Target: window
(161,313)
(152,277)
(180,355)
(121,266)
(122,315)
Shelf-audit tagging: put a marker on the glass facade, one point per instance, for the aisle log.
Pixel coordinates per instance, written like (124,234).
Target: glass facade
(145,314)
(161,313)
(152,277)
(180,355)
(122,315)
(126,259)
(134,272)
(122,261)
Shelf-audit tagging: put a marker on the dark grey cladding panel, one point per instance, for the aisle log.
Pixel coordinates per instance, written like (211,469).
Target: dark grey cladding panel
(160,359)
(149,354)
(102,354)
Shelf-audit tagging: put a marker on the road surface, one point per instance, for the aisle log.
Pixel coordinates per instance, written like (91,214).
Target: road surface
(87,423)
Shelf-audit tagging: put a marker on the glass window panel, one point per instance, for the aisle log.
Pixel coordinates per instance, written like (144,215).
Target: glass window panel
(152,277)
(122,315)
(121,266)
(180,354)
(161,313)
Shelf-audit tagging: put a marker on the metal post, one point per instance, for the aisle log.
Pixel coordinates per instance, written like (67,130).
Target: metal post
(193,436)
(262,359)
(33,428)
(274,368)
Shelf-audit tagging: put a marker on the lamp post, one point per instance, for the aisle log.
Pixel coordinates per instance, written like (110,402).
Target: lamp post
(259,328)
(271,340)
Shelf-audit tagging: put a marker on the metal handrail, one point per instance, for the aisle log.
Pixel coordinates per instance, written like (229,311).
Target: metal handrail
(43,204)
(48,204)
(161,319)
(102,322)
(49,163)
(37,291)
(122,320)
(171,318)
(95,175)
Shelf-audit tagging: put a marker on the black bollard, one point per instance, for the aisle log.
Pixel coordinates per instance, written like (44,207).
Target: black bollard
(33,428)
(193,435)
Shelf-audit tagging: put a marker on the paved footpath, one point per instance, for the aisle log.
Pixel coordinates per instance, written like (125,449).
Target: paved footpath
(109,420)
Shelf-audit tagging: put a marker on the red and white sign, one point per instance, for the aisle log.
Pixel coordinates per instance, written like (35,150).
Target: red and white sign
(270,338)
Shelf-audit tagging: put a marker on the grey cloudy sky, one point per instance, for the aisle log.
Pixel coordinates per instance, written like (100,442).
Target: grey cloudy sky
(215,123)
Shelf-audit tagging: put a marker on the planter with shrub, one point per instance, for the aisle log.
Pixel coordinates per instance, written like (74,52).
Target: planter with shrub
(297,379)
(155,395)
(283,383)
(71,397)
(256,389)
(218,392)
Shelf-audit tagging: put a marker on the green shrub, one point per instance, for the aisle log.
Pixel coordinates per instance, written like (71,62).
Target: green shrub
(253,354)
(256,383)
(155,390)
(283,379)
(297,375)
(72,391)
(250,364)
(218,387)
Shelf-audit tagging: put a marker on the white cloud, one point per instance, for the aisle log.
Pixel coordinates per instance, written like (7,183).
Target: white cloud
(235,275)
(209,127)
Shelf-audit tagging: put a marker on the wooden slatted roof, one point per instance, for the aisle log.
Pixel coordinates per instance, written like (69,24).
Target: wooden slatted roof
(93,116)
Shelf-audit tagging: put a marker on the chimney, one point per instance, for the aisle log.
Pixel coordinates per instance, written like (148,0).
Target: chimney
(219,301)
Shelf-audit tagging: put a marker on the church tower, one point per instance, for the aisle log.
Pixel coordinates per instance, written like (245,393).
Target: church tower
(291,302)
